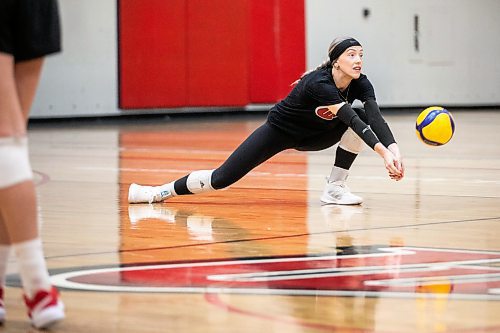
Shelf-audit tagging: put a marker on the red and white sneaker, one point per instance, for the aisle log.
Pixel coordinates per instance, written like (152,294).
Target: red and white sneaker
(2,307)
(45,308)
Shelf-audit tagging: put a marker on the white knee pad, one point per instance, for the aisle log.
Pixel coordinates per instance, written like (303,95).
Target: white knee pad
(351,142)
(200,181)
(14,161)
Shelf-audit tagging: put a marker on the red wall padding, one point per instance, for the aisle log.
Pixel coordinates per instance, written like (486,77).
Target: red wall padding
(152,53)
(291,40)
(177,53)
(217,52)
(277,48)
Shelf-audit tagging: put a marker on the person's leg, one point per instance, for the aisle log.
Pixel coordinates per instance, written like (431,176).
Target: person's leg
(348,149)
(262,144)
(10,126)
(4,253)
(27,77)
(265,142)
(17,188)
(336,191)
(350,144)
(4,256)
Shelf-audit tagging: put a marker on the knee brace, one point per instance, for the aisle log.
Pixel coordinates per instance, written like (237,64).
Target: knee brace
(351,142)
(14,161)
(200,181)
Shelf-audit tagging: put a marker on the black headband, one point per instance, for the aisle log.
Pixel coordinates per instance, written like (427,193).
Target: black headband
(341,47)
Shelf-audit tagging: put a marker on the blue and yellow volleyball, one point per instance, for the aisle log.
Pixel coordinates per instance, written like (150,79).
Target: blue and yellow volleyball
(435,126)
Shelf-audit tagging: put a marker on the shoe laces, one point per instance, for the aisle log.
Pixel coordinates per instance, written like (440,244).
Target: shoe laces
(338,186)
(152,193)
(155,197)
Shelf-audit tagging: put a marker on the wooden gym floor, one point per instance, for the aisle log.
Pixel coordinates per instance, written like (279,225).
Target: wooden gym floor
(420,255)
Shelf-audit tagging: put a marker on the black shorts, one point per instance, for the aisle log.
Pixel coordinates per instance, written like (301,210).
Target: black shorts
(29,29)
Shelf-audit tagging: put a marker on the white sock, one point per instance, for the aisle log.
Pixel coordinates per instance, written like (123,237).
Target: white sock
(168,187)
(32,267)
(338,174)
(4,257)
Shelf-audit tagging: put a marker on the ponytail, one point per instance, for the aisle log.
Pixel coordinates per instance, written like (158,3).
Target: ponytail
(325,64)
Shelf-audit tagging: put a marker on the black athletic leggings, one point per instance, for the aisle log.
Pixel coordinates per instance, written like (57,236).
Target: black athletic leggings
(265,142)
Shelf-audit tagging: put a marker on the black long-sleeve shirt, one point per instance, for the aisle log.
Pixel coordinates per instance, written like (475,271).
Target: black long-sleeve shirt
(301,113)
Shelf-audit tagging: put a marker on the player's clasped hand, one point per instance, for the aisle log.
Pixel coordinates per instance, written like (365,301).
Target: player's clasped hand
(400,167)
(393,165)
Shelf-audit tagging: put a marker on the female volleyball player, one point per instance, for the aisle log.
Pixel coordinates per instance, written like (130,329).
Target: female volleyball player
(29,30)
(315,115)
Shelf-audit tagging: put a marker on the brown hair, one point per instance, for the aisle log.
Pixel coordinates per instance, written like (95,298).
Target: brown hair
(327,62)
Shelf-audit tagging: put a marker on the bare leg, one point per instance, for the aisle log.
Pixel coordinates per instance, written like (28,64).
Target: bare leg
(10,122)
(27,77)
(21,224)
(4,256)
(4,236)
(11,117)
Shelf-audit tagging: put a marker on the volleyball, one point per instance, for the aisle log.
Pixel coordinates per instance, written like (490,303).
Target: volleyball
(435,126)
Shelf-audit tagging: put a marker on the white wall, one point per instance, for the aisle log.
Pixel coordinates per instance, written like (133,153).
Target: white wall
(82,80)
(459,46)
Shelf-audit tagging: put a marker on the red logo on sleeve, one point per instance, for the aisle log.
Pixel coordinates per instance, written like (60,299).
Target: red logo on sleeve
(324,112)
